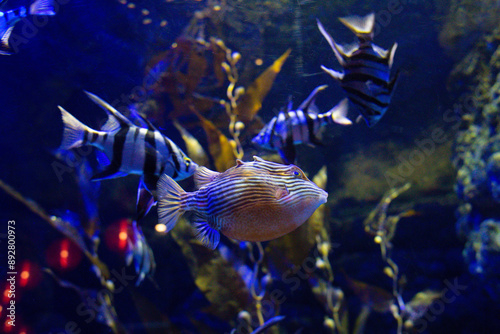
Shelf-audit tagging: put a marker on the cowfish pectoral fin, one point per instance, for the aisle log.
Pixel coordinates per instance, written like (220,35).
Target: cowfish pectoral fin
(170,202)
(42,7)
(207,235)
(339,113)
(204,176)
(334,74)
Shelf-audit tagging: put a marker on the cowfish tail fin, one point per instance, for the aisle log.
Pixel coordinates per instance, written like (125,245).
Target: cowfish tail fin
(73,131)
(170,201)
(361,26)
(339,113)
(42,7)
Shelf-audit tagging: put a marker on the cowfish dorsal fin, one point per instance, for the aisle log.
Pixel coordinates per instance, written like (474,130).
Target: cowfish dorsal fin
(109,109)
(362,26)
(204,176)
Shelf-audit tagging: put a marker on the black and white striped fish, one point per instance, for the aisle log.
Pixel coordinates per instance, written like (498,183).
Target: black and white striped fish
(131,150)
(366,77)
(301,126)
(9,18)
(253,201)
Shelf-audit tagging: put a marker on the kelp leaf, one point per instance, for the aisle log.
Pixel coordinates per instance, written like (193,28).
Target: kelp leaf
(216,278)
(251,102)
(219,146)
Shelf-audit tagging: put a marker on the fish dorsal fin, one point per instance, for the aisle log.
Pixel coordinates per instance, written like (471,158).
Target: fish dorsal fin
(392,52)
(334,74)
(208,236)
(150,125)
(289,105)
(313,108)
(111,124)
(362,26)
(43,7)
(339,113)
(258,159)
(310,99)
(239,162)
(109,109)
(335,47)
(204,176)
(348,49)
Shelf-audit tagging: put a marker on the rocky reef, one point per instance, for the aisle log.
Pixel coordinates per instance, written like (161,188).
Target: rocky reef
(477,146)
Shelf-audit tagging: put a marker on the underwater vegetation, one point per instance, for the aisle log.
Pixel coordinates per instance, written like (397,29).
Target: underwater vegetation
(221,194)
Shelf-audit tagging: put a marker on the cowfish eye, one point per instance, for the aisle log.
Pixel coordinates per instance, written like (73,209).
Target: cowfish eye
(295,171)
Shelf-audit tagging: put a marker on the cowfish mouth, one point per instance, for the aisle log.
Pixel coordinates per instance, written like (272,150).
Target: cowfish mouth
(323,196)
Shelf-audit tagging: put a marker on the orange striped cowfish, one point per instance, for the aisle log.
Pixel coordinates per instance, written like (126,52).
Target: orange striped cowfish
(252,201)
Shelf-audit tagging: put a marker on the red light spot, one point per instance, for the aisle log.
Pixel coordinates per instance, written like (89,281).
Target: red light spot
(25,274)
(29,275)
(64,255)
(7,326)
(117,236)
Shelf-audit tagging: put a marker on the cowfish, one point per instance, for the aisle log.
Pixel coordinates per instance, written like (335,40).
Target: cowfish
(130,149)
(252,201)
(301,126)
(366,76)
(9,18)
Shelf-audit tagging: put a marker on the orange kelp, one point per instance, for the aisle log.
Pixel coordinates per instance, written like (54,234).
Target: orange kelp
(251,102)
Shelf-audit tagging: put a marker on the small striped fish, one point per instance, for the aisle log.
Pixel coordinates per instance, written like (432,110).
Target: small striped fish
(9,18)
(366,77)
(253,201)
(301,126)
(131,149)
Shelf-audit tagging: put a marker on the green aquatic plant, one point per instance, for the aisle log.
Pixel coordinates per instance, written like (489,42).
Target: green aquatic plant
(383,227)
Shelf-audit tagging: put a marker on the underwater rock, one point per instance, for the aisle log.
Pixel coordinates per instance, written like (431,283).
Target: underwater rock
(482,253)
(477,150)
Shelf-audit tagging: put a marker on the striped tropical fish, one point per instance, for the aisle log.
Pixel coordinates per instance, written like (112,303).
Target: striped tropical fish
(253,201)
(9,18)
(131,150)
(301,126)
(366,76)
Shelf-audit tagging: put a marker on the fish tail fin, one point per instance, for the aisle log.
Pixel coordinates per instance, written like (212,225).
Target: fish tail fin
(43,7)
(362,26)
(5,48)
(74,131)
(171,201)
(339,113)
